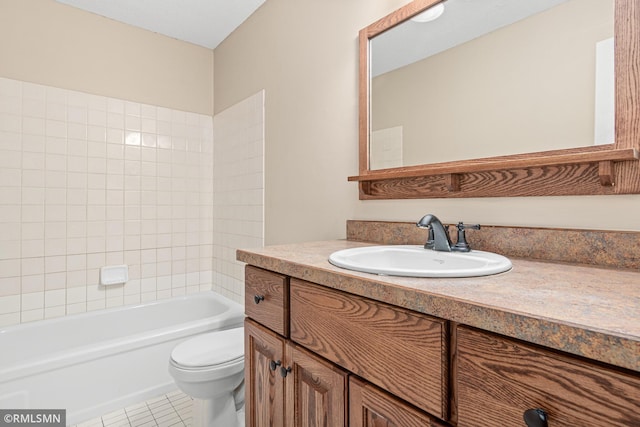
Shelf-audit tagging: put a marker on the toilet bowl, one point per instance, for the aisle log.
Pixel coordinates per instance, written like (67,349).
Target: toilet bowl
(210,368)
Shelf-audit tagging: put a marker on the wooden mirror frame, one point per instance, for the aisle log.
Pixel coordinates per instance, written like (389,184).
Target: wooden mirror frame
(594,170)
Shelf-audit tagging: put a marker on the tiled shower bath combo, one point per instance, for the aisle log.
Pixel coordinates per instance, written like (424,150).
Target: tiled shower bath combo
(88,181)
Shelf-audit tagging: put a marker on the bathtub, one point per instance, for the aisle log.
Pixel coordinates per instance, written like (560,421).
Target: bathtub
(93,363)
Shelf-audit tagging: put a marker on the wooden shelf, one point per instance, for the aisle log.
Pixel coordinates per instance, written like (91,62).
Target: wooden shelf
(502,163)
(592,171)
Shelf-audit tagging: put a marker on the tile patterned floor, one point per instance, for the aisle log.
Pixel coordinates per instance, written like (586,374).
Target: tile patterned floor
(170,410)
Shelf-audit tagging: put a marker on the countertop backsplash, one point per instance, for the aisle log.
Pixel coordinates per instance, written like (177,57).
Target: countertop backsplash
(601,248)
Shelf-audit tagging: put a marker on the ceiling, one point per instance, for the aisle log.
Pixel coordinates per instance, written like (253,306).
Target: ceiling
(202,22)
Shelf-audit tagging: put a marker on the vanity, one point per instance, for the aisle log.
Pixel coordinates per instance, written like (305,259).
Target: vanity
(334,347)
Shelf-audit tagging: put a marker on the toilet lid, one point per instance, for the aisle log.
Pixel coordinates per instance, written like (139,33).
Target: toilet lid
(213,348)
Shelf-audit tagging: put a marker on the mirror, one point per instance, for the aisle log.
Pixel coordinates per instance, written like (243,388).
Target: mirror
(490,78)
(493,105)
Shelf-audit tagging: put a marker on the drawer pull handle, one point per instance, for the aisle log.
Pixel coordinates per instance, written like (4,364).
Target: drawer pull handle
(535,418)
(274,364)
(258,298)
(285,371)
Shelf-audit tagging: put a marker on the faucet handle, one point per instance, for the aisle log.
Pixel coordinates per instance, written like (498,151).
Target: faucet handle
(462,245)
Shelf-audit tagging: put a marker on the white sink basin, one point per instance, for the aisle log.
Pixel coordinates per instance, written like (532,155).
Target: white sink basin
(416,261)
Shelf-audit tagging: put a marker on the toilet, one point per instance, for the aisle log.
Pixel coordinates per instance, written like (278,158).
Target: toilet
(210,368)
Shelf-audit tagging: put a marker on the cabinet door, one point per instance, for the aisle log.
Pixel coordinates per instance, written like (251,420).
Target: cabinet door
(315,389)
(264,392)
(371,407)
(498,379)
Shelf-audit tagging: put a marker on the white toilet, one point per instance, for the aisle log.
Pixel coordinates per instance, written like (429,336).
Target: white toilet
(210,368)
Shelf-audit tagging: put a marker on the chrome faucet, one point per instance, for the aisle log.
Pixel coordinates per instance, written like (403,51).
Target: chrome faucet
(438,235)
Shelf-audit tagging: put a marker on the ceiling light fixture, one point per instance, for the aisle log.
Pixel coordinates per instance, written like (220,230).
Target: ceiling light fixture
(430,14)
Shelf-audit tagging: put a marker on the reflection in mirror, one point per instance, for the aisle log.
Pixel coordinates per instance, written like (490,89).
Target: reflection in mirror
(492,78)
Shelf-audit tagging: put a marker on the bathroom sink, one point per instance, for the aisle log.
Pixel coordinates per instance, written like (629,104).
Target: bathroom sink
(415,261)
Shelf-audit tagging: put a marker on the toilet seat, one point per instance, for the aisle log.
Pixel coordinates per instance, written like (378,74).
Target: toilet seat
(210,349)
(210,369)
(209,356)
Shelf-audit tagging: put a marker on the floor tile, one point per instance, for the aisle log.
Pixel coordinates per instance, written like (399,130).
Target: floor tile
(170,410)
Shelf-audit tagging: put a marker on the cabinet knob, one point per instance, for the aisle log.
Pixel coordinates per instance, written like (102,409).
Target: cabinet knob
(535,418)
(285,371)
(274,364)
(258,298)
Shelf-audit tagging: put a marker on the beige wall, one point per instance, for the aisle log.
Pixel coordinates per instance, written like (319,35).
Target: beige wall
(45,42)
(304,54)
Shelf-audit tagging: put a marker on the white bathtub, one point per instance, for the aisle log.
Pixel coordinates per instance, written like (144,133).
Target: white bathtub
(97,362)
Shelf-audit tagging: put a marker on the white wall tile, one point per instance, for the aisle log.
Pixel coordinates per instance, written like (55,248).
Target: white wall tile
(32,315)
(75,308)
(88,181)
(55,311)
(56,297)
(9,319)
(238,186)
(10,304)
(76,295)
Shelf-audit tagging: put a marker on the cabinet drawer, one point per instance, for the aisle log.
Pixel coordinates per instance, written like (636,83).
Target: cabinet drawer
(266,298)
(498,379)
(400,351)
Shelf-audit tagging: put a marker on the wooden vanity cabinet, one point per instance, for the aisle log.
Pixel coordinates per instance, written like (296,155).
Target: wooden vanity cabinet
(316,375)
(498,379)
(316,356)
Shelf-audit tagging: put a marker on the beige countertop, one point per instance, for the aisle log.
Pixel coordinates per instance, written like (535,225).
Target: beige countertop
(587,311)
